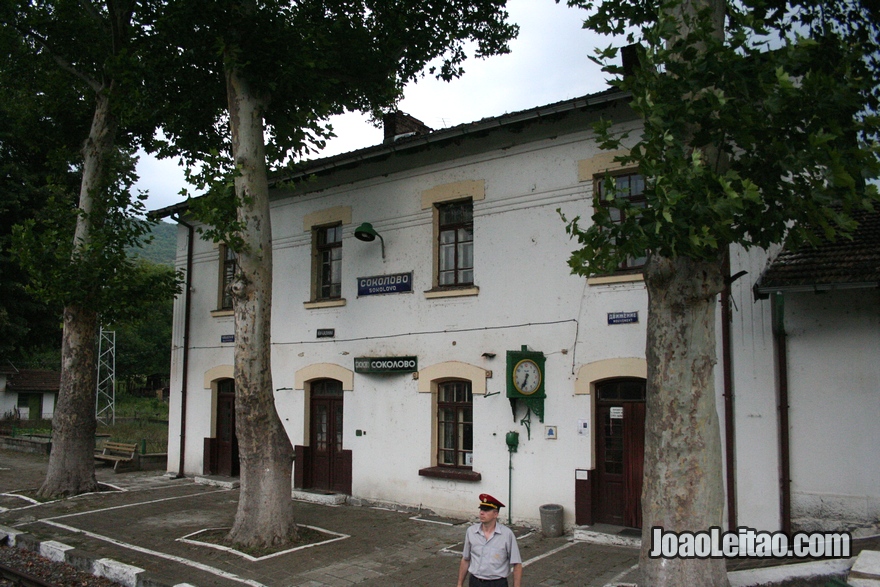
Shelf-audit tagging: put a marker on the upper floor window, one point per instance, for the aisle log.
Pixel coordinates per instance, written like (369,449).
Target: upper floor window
(228,268)
(456,244)
(630,186)
(328,262)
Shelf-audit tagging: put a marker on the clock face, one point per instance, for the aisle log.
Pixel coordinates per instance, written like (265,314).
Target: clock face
(526,377)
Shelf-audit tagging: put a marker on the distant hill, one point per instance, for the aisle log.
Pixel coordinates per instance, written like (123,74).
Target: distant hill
(163,248)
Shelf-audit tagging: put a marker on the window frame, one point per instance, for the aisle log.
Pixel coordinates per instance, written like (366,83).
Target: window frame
(457,262)
(628,265)
(228,269)
(320,247)
(461,426)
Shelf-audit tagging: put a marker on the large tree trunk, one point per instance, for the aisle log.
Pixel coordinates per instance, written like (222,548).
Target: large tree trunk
(71,463)
(683,489)
(265,508)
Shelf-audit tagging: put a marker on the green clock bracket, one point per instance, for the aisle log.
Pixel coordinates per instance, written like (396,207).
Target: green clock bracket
(525,380)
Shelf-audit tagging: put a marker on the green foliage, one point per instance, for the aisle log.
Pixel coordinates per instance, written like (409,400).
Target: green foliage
(159,245)
(306,61)
(757,132)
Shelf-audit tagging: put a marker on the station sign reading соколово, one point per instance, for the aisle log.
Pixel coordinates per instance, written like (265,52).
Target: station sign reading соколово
(386,364)
(385,284)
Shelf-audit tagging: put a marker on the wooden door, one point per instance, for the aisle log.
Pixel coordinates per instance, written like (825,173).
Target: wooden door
(620,452)
(227,443)
(328,465)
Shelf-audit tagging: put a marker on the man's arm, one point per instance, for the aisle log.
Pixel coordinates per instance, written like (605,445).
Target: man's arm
(517,575)
(462,571)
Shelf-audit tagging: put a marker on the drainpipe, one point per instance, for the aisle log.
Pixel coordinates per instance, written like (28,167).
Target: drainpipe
(729,419)
(779,339)
(186,322)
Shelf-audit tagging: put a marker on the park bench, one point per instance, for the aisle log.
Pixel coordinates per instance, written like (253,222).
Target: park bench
(118,453)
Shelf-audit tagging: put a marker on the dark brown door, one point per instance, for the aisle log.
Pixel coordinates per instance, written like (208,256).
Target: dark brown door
(620,452)
(227,444)
(329,467)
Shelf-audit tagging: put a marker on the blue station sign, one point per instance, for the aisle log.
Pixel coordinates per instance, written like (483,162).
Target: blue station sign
(385,284)
(623,317)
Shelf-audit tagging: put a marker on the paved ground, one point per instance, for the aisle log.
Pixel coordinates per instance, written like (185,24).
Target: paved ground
(142,526)
(143,523)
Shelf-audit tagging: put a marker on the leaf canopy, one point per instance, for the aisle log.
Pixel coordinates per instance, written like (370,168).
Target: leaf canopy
(766,132)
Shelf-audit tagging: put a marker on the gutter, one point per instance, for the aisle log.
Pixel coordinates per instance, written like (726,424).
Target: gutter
(765,291)
(184,379)
(781,351)
(729,414)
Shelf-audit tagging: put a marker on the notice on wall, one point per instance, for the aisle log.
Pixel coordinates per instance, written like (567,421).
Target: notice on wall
(615,413)
(623,318)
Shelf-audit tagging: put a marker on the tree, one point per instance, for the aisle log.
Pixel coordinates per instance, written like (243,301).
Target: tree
(759,127)
(40,135)
(96,49)
(277,70)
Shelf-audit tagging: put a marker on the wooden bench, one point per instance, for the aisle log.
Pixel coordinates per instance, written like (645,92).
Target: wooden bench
(117,453)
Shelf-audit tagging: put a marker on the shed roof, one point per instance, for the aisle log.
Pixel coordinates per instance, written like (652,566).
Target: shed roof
(34,380)
(844,264)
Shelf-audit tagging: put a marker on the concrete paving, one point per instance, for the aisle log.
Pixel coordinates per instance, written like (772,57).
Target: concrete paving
(145,523)
(147,527)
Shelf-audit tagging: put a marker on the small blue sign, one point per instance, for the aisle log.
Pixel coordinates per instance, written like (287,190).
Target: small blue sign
(623,317)
(385,284)
(227,338)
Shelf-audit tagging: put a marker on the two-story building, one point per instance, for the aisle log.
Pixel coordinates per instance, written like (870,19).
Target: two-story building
(424,310)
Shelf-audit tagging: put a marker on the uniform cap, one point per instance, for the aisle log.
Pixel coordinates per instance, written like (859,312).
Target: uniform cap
(487,500)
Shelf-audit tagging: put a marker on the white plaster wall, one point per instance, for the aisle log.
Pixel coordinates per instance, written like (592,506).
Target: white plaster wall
(755,398)
(834,375)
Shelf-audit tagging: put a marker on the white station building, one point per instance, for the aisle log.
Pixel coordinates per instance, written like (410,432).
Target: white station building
(424,310)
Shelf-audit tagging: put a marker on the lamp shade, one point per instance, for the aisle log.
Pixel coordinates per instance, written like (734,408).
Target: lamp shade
(365,232)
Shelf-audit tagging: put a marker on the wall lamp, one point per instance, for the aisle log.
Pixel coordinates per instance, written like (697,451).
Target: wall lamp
(365,232)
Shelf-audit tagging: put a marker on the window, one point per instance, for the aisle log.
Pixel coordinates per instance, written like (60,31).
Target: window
(228,268)
(456,244)
(630,186)
(455,424)
(328,262)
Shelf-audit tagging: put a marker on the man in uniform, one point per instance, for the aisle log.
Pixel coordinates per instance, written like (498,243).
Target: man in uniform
(490,550)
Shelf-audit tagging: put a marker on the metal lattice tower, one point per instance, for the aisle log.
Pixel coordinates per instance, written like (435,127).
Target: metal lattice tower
(105,405)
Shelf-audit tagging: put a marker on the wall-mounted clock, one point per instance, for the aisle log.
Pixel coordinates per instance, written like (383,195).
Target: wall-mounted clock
(525,380)
(527,376)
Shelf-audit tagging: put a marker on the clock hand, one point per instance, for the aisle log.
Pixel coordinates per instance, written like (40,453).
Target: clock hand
(525,380)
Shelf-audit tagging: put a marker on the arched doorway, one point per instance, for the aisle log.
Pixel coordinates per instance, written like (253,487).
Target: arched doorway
(620,451)
(324,464)
(227,442)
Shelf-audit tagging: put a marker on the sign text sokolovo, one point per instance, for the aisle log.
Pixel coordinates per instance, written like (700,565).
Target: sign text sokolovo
(386,364)
(385,284)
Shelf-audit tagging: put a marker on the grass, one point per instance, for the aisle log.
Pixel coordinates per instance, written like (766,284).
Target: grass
(142,420)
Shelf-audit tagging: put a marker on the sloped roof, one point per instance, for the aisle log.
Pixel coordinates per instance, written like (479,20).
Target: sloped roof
(34,380)
(413,144)
(845,264)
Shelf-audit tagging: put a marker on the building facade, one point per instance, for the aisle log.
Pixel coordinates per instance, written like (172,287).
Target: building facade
(424,310)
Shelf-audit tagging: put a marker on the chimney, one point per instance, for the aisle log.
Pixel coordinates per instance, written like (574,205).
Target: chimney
(629,56)
(400,124)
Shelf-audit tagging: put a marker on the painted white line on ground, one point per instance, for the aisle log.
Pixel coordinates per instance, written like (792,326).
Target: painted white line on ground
(190,540)
(621,575)
(548,553)
(171,557)
(130,505)
(24,497)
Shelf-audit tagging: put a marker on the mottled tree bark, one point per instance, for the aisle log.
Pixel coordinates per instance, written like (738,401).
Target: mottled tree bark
(71,463)
(683,488)
(265,508)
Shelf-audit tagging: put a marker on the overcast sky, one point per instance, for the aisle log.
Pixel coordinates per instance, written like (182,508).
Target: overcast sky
(548,63)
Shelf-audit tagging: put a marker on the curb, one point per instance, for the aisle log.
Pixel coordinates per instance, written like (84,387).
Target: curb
(122,573)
